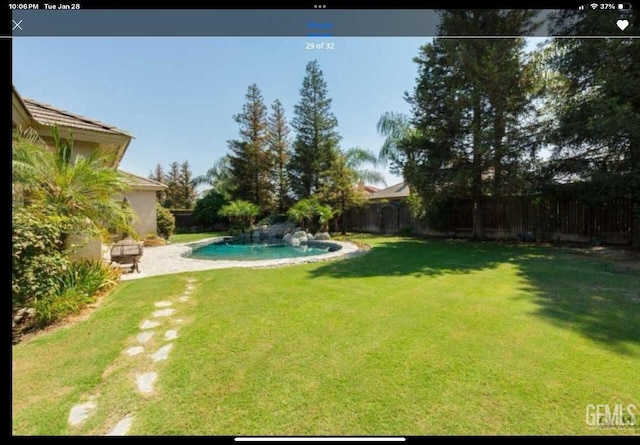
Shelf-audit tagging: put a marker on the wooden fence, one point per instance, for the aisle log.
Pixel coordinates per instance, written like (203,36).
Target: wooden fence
(541,219)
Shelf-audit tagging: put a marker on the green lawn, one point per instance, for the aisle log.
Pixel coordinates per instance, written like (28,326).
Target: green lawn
(413,338)
(191,237)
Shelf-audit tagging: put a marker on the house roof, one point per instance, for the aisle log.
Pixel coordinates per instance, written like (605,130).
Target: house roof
(397,191)
(371,189)
(139,183)
(47,115)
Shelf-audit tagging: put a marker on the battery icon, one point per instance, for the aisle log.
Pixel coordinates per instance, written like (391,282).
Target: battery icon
(624,5)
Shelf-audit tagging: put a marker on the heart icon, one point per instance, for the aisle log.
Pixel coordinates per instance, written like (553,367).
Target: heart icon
(622,24)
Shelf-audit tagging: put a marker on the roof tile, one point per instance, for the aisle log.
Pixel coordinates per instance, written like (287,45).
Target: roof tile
(47,115)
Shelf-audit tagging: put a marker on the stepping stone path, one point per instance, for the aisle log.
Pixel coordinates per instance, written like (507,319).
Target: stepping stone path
(149,324)
(144,381)
(134,350)
(144,337)
(81,412)
(164,312)
(122,427)
(162,353)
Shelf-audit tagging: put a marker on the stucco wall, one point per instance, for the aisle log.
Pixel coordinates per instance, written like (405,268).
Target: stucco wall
(143,203)
(80,148)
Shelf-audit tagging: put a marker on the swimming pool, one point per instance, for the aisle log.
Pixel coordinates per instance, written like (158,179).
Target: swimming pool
(244,250)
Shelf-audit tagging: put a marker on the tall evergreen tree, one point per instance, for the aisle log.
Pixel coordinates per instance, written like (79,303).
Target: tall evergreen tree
(596,105)
(469,107)
(339,190)
(250,163)
(316,142)
(172,199)
(186,187)
(278,142)
(158,175)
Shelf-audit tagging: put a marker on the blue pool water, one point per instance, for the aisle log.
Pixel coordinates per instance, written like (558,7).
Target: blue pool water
(248,251)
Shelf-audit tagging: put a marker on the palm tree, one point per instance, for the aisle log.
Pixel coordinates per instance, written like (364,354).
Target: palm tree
(396,127)
(356,158)
(302,211)
(218,176)
(325,213)
(240,211)
(84,187)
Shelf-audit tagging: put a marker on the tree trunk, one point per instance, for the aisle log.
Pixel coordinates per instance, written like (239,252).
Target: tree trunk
(477,167)
(635,225)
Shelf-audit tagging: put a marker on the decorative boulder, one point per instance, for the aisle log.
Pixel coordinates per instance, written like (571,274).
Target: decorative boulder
(295,242)
(310,237)
(323,236)
(300,234)
(286,238)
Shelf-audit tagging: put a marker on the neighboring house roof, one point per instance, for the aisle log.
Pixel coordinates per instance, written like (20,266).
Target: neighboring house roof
(47,115)
(397,191)
(139,183)
(367,189)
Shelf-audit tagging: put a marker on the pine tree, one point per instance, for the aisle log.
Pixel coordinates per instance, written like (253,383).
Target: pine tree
(596,107)
(469,107)
(316,141)
(158,175)
(172,199)
(250,163)
(340,191)
(278,142)
(187,192)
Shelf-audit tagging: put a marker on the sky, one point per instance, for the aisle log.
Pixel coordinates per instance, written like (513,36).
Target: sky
(177,96)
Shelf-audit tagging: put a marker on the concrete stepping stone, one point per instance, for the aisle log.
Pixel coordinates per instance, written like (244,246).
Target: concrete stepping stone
(171,334)
(162,353)
(149,324)
(178,320)
(144,337)
(134,350)
(164,312)
(122,427)
(163,304)
(145,382)
(81,412)
(184,298)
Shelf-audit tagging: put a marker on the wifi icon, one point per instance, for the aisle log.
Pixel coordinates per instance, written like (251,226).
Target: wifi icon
(594,5)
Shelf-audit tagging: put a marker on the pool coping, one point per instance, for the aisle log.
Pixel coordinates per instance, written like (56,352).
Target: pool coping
(174,258)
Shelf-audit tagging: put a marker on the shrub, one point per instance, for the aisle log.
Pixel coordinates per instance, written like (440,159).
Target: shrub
(78,285)
(37,253)
(166,222)
(207,208)
(405,231)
